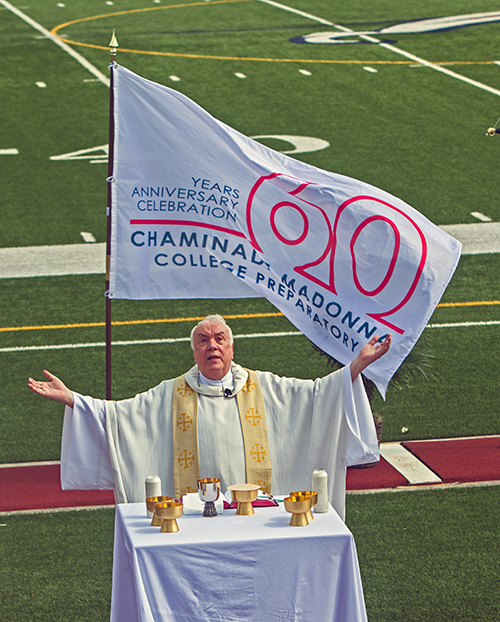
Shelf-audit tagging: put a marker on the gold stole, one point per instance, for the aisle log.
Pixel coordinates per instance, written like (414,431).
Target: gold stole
(185,435)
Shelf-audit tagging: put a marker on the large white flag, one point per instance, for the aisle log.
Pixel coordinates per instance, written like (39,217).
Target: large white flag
(201,211)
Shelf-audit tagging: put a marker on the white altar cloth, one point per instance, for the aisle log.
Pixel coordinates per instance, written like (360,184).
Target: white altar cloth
(235,568)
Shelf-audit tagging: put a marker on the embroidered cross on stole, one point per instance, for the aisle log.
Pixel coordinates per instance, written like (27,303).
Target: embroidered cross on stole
(185,435)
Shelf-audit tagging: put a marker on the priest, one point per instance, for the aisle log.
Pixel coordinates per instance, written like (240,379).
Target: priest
(219,420)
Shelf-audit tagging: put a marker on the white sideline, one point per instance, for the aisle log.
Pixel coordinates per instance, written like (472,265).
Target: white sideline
(69,259)
(10,465)
(57,260)
(68,49)
(143,342)
(77,508)
(477,238)
(407,464)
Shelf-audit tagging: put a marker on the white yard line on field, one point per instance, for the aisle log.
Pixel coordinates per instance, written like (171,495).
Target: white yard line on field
(464,324)
(68,49)
(141,342)
(423,487)
(102,78)
(389,47)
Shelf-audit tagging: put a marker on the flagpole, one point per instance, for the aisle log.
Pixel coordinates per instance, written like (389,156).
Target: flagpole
(113,44)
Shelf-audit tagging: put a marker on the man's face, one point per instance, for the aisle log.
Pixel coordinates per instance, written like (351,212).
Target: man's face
(212,351)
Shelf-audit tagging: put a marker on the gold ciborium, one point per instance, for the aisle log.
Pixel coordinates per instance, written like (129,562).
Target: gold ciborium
(209,491)
(298,506)
(244,494)
(307,493)
(169,512)
(151,505)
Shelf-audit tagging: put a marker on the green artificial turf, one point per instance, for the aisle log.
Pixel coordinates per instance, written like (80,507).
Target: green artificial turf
(56,566)
(463,401)
(428,555)
(423,555)
(409,130)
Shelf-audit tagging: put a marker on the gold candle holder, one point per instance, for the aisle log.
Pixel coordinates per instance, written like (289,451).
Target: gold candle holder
(151,505)
(307,493)
(244,494)
(169,512)
(298,506)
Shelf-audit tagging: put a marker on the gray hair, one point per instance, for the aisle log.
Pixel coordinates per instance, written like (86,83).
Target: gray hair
(212,318)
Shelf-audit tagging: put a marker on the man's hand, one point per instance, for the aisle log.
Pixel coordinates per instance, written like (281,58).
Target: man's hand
(54,389)
(368,354)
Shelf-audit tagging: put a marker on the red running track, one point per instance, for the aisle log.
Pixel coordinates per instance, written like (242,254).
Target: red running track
(461,459)
(37,486)
(458,460)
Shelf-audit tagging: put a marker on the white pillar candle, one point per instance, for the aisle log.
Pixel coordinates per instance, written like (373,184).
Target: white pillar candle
(320,485)
(153,489)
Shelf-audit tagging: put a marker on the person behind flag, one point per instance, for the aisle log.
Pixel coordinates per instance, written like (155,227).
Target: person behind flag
(219,420)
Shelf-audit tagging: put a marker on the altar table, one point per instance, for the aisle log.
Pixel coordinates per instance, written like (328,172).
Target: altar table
(235,568)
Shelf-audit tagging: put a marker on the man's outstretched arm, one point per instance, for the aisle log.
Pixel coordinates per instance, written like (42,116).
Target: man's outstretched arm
(55,389)
(369,354)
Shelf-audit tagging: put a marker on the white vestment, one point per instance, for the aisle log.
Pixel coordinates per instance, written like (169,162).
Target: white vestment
(325,423)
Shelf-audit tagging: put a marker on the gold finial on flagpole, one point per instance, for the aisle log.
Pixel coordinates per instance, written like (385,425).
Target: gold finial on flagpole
(113,44)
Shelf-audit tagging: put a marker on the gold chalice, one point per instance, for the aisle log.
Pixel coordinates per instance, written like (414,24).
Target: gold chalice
(169,512)
(208,491)
(298,506)
(244,494)
(151,505)
(307,493)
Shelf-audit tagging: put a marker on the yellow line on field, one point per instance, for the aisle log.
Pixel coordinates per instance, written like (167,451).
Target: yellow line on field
(239,316)
(144,10)
(271,60)
(133,322)
(56,29)
(469,304)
